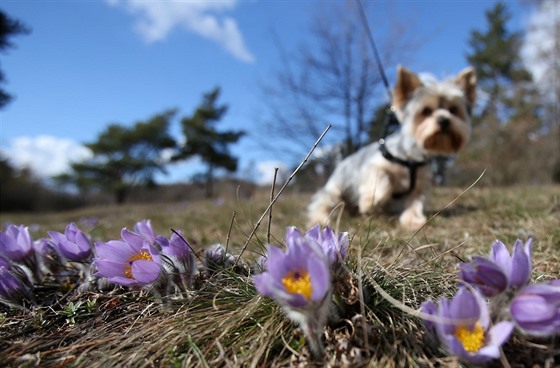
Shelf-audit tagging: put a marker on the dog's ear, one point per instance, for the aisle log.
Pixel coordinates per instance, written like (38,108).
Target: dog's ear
(466,79)
(407,82)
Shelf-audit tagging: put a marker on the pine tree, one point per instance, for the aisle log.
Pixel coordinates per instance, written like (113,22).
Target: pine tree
(8,27)
(508,126)
(205,141)
(495,55)
(124,157)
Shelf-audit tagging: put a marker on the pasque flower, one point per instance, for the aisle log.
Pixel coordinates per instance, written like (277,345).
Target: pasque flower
(215,258)
(462,324)
(501,271)
(145,229)
(73,244)
(131,262)
(536,309)
(299,280)
(334,246)
(15,242)
(12,290)
(485,275)
(179,259)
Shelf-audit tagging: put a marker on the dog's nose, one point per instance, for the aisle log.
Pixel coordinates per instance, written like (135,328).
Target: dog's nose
(443,122)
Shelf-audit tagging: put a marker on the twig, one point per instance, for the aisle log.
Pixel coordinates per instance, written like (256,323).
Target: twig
(137,318)
(362,302)
(229,232)
(448,205)
(187,243)
(405,308)
(271,199)
(280,193)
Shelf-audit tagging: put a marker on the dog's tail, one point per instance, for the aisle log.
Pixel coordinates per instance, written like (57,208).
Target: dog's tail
(321,207)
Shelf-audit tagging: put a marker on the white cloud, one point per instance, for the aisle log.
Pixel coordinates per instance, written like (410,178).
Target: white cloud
(540,47)
(45,155)
(266,170)
(156,19)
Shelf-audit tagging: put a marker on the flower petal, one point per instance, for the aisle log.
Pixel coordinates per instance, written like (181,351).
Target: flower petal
(123,280)
(145,272)
(500,255)
(114,249)
(109,268)
(263,283)
(520,266)
(314,233)
(319,274)
(499,334)
(465,307)
(275,262)
(429,308)
(135,241)
(485,275)
(527,308)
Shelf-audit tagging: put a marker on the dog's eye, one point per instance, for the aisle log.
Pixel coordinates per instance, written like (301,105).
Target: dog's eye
(454,110)
(426,111)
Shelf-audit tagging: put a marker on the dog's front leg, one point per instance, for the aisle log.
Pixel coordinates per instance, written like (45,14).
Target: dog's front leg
(413,217)
(374,191)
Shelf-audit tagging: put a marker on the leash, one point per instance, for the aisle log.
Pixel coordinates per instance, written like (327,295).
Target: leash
(374,48)
(391,123)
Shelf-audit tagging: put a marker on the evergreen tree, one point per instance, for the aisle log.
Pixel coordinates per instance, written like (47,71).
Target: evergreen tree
(495,55)
(507,135)
(8,27)
(125,157)
(205,141)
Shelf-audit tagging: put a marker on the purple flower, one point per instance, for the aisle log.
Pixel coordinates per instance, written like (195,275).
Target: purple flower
(12,289)
(181,260)
(216,258)
(145,229)
(485,275)
(536,309)
(15,242)
(299,280)
(132,262)
(517,266)
(462,324)
(89,221)
(429,308)
(334,246)
(298,277)
(501,271)
(260,265)
(73,244)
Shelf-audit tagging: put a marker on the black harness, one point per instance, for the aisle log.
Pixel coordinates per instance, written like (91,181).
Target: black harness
(390,123)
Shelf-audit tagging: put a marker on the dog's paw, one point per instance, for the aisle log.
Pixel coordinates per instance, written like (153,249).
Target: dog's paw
(318,218)
(411,220)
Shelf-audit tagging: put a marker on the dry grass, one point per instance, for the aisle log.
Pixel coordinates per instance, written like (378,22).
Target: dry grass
(225,322)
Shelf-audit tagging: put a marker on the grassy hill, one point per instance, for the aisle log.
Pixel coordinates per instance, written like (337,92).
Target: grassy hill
(224,322)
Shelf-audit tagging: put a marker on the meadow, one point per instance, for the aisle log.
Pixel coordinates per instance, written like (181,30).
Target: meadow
(224,322)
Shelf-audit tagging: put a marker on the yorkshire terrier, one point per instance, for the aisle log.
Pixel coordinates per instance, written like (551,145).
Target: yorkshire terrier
(394,173)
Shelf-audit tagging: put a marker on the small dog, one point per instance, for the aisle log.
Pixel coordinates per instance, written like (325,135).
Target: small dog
(394,173)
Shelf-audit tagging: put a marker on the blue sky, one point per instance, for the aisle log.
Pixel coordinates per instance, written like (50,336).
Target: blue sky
(88,63)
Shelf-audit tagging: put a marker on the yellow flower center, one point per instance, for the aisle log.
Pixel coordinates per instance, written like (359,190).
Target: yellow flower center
(298,282)
(472,339)
(142,255)
(128,272)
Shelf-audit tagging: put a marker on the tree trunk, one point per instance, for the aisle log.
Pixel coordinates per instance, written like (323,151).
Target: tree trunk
(210,181)
(121,194)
